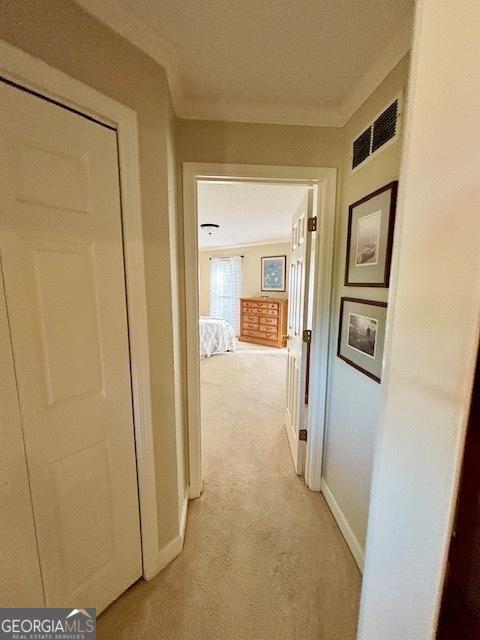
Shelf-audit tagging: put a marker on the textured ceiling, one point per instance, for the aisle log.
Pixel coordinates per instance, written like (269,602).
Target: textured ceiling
(309,51)
(246,212)
(295,62)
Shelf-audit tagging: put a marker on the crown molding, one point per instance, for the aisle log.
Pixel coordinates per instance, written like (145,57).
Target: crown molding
(147,40)
(260,112)
(263,243)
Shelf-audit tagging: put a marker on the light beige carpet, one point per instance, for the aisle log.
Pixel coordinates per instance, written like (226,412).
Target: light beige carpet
(263,557)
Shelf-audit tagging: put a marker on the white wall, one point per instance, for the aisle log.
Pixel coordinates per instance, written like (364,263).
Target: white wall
(251,270)
(433,335)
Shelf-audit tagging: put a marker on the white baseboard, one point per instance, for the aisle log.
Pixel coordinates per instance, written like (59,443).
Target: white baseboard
(173,548)
(350,538)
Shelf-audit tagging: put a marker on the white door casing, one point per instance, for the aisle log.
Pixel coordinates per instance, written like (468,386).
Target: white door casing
(62,255)
(323,181)
(299,273)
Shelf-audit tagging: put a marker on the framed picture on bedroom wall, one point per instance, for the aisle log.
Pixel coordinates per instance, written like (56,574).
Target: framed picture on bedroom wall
(361,335)
(273,273)
(371,222)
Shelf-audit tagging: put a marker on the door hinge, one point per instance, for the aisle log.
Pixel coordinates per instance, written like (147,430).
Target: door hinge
(312,223)
(302,435)
(307,336)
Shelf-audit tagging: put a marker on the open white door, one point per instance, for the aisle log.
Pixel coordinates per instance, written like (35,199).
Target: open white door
(297,365)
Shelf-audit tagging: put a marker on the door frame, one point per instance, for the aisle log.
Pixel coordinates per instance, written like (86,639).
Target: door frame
(36,76)
(323,179)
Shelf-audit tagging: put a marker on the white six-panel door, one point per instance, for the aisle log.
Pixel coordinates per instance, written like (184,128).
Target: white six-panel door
(299,268)
(62,255)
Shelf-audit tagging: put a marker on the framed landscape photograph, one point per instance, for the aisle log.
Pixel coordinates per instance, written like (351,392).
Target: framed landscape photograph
(371,222)
(273,273)
(361,335)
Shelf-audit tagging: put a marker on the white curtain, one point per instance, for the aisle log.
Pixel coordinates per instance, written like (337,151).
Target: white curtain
(225,290)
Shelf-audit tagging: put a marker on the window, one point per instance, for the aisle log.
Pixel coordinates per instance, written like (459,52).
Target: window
(225,286)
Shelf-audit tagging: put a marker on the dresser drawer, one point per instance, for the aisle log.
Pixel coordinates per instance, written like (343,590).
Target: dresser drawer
(246,304)
(267,312)
(249,318)
(265,305)
(269,329)
(259,334)
(268,320)
(250,325)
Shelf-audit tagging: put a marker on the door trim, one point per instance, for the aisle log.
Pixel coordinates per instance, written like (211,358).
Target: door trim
(324,180)
(34,75)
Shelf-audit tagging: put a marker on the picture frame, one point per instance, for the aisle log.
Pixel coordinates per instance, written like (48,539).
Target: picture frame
(361,335)
(273,273)
(371,222)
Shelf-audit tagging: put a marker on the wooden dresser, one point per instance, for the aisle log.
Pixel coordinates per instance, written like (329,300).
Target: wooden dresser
(263,321)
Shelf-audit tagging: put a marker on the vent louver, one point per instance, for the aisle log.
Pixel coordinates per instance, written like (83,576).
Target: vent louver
(372,139)
(385,126)
(361,147)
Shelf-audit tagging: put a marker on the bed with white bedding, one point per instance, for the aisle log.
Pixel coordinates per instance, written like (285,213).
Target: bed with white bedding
(216,336)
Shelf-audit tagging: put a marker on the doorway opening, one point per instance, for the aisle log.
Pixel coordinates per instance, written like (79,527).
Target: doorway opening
(254,272)
(305,208)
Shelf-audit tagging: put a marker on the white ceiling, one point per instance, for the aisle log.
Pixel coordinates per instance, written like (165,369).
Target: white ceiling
(248,213)
(301,62)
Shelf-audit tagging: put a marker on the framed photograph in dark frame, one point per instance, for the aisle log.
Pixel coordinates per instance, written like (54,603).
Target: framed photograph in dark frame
(371,223)
(361,335)
(274,273)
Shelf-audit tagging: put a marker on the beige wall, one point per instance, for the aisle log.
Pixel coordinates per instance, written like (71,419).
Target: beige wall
(235,142)
(354,400)
(66,37)
(251,270)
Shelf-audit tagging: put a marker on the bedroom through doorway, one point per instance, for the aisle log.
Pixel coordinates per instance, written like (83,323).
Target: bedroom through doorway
(244,272)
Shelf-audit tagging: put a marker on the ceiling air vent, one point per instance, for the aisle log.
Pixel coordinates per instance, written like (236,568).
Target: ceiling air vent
(372,140)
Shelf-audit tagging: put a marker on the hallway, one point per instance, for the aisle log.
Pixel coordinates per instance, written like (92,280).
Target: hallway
(263,557)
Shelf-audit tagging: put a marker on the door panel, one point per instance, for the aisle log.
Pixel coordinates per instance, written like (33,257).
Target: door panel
(61,242)
(295,413)
(88,502)
(66,297)
(18,547)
